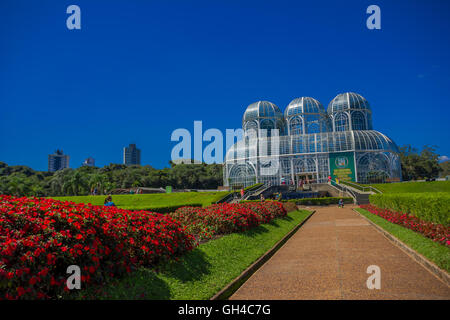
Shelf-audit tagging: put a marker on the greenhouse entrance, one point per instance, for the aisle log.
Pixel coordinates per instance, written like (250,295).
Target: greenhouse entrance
(304,179)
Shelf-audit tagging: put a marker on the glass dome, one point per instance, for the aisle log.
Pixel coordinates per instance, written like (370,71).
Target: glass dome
(263,115)
(303,105)
(350,111)
(348,101)
(262,110)
(306,115)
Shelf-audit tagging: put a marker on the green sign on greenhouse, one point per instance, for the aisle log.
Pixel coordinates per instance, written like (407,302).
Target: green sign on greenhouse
(342,166)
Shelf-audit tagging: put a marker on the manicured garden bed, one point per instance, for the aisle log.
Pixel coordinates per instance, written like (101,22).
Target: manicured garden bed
(312,201)
(40,238)
(413,187)
(429,206)
(433,250)
(203,272)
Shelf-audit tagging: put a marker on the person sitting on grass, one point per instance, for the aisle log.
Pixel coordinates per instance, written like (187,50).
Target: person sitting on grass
(341,203)
(109,202)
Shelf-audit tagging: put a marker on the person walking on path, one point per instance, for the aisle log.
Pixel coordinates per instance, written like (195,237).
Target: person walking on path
(262,198)
(242,193)
(341,203)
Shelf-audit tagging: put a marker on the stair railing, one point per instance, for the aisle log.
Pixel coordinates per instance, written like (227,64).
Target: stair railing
(343,188)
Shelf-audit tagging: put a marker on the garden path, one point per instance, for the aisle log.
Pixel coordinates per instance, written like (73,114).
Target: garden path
(328,257)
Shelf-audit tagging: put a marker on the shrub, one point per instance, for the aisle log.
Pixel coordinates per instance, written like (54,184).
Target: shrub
(320,201)
(218,219)
(414,187)
(432,206)
(40,238)
(289,206)
(436,232)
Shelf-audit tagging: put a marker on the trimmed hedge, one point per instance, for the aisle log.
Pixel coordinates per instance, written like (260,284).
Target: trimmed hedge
(166,209)
(414,187)
(427,206)
(321,201)
(313,201)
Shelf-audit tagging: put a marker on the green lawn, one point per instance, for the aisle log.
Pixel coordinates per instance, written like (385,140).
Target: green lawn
(203,272)
(435,252)
(413,187)
(154,200)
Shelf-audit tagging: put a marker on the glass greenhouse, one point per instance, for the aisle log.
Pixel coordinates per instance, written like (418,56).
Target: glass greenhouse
(309,143)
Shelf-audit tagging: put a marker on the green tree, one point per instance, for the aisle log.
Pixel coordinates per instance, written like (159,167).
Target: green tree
(419,165)
(76,184)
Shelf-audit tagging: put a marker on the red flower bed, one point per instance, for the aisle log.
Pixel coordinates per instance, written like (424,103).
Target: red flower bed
(436,232)
(40,238)
(226,218)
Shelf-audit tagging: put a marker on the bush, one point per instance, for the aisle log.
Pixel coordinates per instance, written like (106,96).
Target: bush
(414,187)
(435,232)
(289,206)
(219,219)
(432,207)
(320,201)
(40,238)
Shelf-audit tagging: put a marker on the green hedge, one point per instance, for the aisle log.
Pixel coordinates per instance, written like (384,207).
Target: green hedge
(428,206)
(321,201)
(414,187)
(166,209)
(313,201)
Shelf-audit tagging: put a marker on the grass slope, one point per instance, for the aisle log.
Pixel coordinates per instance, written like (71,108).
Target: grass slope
(435,252)
(413,187)
(154,200)
(203,272)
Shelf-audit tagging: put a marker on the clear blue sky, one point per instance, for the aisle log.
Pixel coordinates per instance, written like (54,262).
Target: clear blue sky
(137,70)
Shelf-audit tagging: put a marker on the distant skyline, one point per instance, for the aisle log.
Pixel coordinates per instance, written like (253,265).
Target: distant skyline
(138,70)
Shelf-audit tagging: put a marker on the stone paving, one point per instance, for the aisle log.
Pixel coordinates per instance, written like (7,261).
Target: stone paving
(327,258)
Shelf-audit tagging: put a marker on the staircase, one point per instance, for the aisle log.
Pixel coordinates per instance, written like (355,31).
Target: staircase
(359,197)
(235,197)
(362,198)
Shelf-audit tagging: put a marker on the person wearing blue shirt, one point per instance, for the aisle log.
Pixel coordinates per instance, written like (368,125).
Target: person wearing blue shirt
(109,202)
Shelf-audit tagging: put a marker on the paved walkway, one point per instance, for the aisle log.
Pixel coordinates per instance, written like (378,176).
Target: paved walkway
(328,258)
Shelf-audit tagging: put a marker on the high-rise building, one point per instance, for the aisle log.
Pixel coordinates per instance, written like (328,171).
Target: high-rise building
(89,162)
(131,155)
(58,161)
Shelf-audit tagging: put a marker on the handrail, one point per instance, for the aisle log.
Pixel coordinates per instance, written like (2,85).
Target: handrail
(344,188)
(249,193)
(246,194)
(364,188)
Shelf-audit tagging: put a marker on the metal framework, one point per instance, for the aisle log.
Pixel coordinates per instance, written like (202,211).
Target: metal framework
(305,138)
